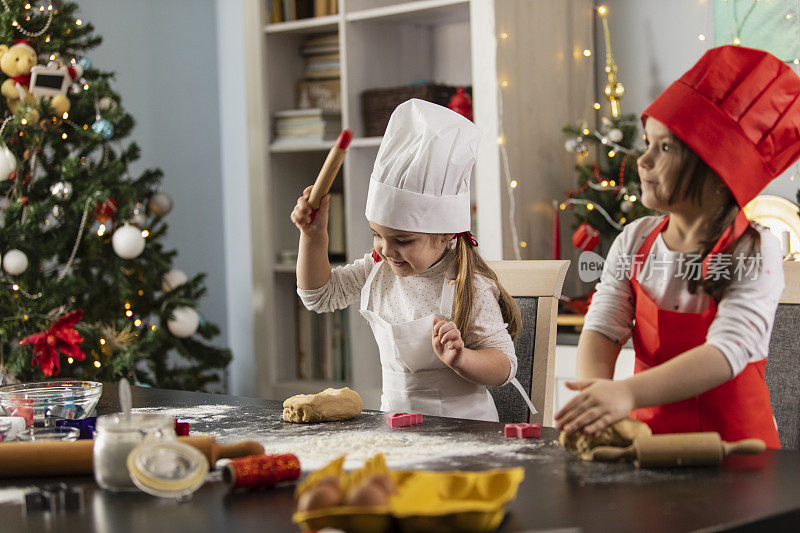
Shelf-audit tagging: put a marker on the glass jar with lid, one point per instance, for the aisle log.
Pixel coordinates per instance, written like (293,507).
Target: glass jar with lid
(116,435)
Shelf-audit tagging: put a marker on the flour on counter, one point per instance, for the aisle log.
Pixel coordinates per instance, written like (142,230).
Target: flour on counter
(202,413)
(401,449)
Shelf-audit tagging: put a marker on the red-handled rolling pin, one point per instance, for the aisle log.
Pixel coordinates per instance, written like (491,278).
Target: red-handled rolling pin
(329,169)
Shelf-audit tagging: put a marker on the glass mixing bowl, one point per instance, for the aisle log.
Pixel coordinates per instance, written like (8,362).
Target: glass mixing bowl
(43,402)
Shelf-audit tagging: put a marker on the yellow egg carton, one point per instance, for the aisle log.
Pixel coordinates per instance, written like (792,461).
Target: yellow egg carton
(425,500)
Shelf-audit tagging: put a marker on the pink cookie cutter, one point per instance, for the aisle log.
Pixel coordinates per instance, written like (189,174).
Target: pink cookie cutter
(523,430)
(396,420)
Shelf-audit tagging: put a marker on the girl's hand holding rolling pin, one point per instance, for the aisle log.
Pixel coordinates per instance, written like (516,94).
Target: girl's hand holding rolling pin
(311,225)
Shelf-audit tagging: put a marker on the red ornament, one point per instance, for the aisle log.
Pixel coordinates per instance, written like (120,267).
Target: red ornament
(461,103)
(24,200)
(586,237)
(61,337)
(106,210)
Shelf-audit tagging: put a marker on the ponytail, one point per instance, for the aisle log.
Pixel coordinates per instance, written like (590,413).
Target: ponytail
(468,264)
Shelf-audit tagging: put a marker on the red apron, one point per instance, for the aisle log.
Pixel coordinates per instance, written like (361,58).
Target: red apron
(737,409)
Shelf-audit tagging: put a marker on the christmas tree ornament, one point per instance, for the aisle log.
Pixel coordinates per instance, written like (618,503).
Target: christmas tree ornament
(85,63)
(571,145)
(625,206)
(106,210)
(103,128)
(173,279)
(184,322)
(160,204)
(8,163)
(615,135)
(57,212)
(128,242)
(15,262)
(139,218)
(61,337)
(461,103)
(586,237)
(61,190)
(106,103)
(614,90)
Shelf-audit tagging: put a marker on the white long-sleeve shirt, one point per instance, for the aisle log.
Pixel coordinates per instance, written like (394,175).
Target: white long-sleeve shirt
(401,299)
(742,326)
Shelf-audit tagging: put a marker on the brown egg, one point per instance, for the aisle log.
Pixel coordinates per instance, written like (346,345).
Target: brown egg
(370,492)
(385,482)
(319,497)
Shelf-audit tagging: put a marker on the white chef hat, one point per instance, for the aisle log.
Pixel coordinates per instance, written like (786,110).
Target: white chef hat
(420,181)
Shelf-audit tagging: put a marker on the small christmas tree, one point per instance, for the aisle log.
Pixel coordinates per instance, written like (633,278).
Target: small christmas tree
(608,193)
(87,288)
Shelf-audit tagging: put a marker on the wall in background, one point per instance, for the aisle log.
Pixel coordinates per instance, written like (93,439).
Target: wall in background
(165,58)
(654,43)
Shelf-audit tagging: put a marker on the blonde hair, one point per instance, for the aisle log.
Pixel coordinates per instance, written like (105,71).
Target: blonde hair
(468,264)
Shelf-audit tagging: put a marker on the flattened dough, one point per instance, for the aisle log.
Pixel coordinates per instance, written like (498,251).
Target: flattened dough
(325,406)
(620,434)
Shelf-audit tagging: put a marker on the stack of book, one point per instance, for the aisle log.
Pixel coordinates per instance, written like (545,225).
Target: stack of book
(286,10)
(306,125)
(322,347)
(321,86)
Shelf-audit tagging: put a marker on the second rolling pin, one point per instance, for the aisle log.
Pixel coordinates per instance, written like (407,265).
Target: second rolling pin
(678,449)
(56,458)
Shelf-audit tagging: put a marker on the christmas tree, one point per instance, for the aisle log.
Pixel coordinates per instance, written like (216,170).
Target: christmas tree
(609,190)
(87,289)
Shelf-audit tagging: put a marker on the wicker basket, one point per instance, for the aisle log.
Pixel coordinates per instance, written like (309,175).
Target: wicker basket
(377,104)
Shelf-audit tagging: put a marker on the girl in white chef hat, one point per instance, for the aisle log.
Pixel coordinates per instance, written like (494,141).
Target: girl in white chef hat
(443,323)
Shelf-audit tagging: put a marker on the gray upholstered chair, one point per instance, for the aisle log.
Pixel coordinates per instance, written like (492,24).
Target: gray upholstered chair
(783,362)
(536,287)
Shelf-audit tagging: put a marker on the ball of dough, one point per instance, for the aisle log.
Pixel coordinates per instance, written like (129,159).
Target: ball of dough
(620,434)
(325,406)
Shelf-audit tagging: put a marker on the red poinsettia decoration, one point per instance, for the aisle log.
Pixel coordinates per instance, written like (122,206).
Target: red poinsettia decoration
(61,337)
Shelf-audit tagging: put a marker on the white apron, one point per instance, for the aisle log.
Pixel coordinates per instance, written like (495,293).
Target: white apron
(414,378)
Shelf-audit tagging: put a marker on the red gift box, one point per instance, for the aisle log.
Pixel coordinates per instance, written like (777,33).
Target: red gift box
(586,238)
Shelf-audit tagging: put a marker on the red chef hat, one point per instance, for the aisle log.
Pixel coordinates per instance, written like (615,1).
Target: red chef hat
(738,109)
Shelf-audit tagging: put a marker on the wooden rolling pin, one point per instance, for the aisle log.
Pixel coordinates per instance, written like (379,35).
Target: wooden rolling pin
(678,449)
(329,169)
(58,458)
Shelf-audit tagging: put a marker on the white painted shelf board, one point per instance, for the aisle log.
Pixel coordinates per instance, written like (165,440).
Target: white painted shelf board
(433,11)
(309,25)
(366,142)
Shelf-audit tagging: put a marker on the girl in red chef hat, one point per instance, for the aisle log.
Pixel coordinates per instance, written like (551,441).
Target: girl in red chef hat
(698,287)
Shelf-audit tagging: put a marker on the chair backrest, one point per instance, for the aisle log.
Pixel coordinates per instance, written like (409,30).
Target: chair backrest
(536,287)
(783,362)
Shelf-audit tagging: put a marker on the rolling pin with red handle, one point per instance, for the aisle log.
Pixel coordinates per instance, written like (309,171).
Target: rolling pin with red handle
(678,449)
(58,458)
(329,169)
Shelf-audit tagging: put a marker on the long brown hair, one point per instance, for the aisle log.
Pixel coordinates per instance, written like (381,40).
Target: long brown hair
(468,263)
(693,173)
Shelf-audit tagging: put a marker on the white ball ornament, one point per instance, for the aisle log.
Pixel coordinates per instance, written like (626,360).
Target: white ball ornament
(615,135)
(15,262)
(8,163)
(184,322)
(570,145)
(128,242)
(626,207)
(173,278)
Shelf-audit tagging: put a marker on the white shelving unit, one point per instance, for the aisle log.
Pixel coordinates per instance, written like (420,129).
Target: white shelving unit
(382,43)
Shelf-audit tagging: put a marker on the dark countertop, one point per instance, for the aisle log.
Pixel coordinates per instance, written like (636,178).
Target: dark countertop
(559,491)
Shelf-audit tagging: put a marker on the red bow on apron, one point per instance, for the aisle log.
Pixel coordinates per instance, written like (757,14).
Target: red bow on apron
(737,409)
